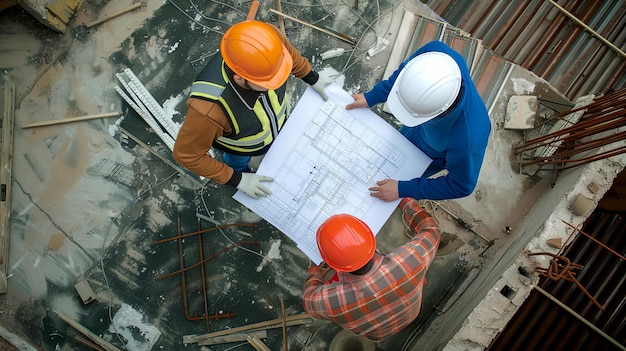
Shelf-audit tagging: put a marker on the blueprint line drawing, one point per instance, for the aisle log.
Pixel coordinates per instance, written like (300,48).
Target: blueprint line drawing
(323,163)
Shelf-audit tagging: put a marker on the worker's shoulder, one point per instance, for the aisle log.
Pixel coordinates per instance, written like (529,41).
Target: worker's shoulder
(202,110)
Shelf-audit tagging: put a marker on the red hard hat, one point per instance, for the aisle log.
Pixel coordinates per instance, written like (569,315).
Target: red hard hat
(253,50)
(345,242)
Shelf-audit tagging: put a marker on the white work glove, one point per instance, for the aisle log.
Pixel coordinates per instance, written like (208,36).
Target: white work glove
(322,83)
(251,185)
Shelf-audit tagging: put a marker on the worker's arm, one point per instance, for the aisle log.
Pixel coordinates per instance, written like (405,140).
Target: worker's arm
(195,139)
(301,66)
(426,232)
(460,181)
(313,296)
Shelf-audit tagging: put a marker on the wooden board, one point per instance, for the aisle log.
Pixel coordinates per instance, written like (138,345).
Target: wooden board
(6,162)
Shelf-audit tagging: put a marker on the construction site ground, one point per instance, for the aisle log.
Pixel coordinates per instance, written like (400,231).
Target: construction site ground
(90,199)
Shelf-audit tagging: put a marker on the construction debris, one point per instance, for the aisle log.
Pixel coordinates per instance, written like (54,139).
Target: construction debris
(298,319)
(332,53)
(95,338)
(85,292)
(237,337)
(556,243)
(521,112)
(104,19)
(138,97)
(336,35)
(284,323)
(6,164)
(257,343)
(69,120)
(381,44)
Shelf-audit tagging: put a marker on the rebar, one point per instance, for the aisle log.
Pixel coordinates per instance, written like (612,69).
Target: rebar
(598,128)
(595,240)
(182,236)
(557,271)
(202,259)
(209,258)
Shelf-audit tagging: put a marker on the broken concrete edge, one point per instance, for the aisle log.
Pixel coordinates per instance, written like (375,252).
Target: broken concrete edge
(521,112)
(495,310)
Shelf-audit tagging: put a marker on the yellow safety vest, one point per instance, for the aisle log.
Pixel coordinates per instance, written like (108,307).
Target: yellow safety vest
(255,117)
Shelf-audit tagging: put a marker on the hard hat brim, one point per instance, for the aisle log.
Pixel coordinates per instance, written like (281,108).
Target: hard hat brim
(394,100)
(400,112)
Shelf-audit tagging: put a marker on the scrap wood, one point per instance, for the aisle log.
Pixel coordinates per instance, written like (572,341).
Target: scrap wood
(254,7)
(95,338)
(284,320)
(281,20)
(6,168)
(257,343)
(297,319)
(88,343)
(261,334)
(69,120)
(277,325)
(104,19)
(339,36)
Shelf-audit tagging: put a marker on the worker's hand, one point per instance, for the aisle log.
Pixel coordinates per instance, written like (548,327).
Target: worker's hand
(359,101)
(386,190)
(251,185)
(321,84)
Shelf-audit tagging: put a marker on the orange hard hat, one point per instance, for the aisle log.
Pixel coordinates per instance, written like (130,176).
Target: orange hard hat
(345,242)
(253,50)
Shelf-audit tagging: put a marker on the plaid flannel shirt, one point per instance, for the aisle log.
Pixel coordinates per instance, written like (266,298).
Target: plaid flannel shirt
(384,300)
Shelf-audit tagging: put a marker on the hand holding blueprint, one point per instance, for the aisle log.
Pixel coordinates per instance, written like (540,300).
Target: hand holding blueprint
(323,162)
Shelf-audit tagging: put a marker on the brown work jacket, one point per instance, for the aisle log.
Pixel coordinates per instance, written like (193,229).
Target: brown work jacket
(205,121)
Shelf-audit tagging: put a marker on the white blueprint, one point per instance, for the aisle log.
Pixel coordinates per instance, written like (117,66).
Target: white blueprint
(323,163)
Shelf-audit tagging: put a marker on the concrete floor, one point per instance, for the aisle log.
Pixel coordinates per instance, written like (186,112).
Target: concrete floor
(88,203)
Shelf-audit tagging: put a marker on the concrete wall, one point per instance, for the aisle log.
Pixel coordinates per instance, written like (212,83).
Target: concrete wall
(544,222)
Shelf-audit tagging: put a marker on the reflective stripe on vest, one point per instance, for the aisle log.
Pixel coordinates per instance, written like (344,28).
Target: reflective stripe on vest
(252,130)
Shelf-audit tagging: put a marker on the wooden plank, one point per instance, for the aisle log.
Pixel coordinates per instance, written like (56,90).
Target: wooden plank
(95,338)
(254,7)
(104,19)
(273,326)
(281,20)
(257,343)
(284,320)
(237,337)
(274,323)
(59,12)
(342,37)
(69,120)
(6,162)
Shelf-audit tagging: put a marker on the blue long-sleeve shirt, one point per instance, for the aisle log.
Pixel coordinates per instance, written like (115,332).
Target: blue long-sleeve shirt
(456,141)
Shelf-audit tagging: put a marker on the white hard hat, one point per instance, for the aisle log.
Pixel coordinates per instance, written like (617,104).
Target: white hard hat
(426,87)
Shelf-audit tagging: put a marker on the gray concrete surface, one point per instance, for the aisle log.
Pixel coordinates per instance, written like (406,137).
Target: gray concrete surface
(89,203)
